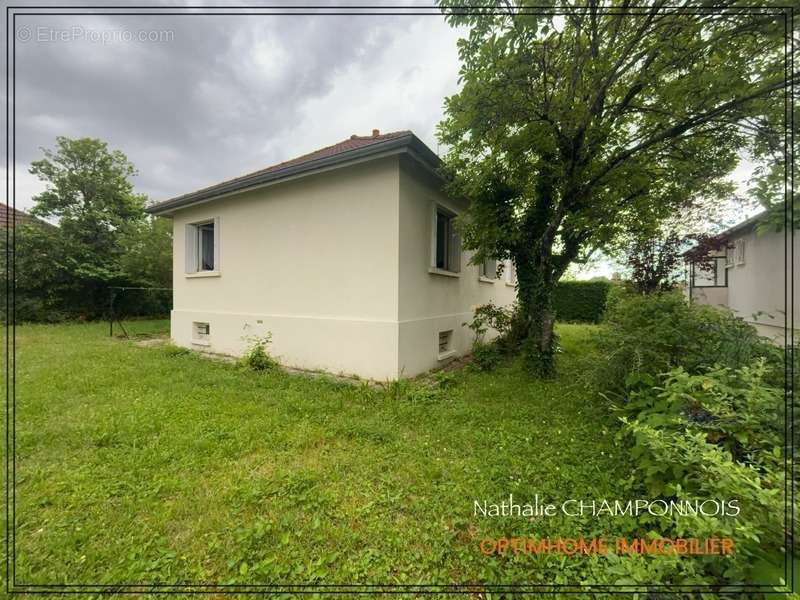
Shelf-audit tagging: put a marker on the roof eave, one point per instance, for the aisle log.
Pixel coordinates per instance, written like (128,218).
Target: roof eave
(407,143)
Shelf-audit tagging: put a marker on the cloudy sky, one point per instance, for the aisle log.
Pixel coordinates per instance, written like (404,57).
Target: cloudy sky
(196,99)
(206,98)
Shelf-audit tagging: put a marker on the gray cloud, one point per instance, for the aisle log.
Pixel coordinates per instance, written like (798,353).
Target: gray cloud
(222,95)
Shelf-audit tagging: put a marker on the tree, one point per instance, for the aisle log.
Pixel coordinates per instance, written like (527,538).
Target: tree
(574,126)
(653,262)
(66,270)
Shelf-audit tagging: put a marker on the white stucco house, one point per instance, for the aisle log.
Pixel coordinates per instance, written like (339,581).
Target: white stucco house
(348,256)
(752,276)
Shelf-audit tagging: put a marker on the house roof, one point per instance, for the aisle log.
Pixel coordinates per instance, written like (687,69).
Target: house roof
(744,226)
(740,228)
(354,149)
(9,215)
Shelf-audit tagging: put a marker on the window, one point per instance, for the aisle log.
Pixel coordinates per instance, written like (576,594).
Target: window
(738,252)
(445,343)
(489,269)
(446,244)
(511,273)
(710,273)
(205,248)
(202,247)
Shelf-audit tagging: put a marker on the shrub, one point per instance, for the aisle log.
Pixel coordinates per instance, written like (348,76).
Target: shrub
(257,357)
(488,316)
(715,435)
(581,301)
(485,357)
(649,334)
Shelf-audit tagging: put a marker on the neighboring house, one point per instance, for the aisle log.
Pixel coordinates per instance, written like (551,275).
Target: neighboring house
(10,215)
(348,256)
(751,275)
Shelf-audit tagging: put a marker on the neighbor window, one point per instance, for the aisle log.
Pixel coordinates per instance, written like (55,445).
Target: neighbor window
(738,252)
(447,248)
(202,246)
(710,273)
(489,269)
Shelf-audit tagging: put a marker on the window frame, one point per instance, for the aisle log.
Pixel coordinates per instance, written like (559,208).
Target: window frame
(739,251)
(449,350)
(485,274)
(452,249)
(510,274)
(194,248)
(716,273)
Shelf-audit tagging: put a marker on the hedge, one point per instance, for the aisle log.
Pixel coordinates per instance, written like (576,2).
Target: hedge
(581,301)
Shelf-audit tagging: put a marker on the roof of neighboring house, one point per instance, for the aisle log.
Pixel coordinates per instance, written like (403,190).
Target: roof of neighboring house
(744,226)
(355,148)
(10,215)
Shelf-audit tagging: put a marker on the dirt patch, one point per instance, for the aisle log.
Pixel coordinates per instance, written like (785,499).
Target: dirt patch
(151,342)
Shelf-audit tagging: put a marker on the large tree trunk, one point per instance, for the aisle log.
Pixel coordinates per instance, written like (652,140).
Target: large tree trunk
(535,318)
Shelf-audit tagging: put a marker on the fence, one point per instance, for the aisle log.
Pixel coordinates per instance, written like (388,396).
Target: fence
(133,310)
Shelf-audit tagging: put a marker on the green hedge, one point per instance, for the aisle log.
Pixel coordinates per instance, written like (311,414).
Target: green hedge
(581,301)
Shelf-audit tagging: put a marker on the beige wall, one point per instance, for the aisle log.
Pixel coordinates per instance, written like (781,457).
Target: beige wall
(337,267)
(431,302)
(313,260)
(715,296)
(756,288)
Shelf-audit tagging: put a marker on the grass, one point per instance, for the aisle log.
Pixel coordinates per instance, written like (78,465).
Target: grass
(150,465)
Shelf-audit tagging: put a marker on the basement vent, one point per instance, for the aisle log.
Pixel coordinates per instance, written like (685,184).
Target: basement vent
(200,331)
(445,341)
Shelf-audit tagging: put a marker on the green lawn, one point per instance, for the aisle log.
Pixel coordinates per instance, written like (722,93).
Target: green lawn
(144,465)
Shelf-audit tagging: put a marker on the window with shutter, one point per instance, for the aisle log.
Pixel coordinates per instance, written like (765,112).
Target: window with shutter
(202,247)
(739,252)
(489,269)
(447,242)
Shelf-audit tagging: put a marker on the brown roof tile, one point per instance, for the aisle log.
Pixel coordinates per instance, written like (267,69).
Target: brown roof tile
(9,214)
(354,142)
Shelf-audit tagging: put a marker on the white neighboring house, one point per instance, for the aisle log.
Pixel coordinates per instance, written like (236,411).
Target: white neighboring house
(347,255)
(752,276)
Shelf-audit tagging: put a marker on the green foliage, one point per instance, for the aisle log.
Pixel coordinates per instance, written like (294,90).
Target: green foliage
(489,316)
(713,435)
(257,357)
(486,357)
(568,132)
(580,301)
(645,335)
(103,238)
(301,478)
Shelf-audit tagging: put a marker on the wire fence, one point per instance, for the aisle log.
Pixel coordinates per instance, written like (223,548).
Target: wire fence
(139,311)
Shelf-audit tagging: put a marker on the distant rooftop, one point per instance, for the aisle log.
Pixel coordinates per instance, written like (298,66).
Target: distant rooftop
(9,215)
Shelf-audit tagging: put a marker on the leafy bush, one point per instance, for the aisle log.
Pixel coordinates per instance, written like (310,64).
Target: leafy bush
(488,316)
(257,357)
(580,301)
(713,435)
(650,334)
(485,357)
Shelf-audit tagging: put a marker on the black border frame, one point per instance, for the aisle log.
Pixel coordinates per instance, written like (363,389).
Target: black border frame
(12,587)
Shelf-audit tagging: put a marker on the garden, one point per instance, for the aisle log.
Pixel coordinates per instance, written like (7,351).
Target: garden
(146,463)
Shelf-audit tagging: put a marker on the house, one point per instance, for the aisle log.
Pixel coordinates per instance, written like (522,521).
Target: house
(348,256)
(751,274)
(10,216)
